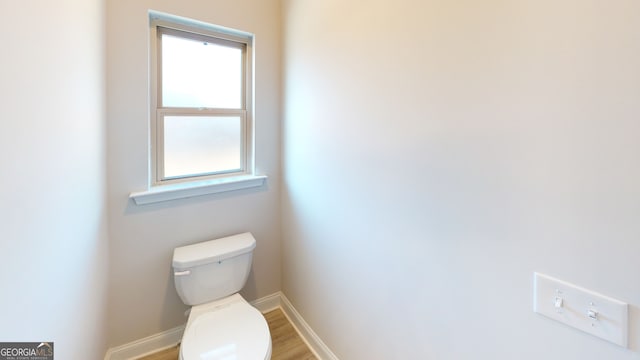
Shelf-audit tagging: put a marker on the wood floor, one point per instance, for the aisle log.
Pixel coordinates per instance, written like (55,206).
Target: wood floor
(286,344)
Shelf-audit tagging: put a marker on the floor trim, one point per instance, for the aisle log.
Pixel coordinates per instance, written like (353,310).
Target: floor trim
(313,341)
(268,303)
(317,346)
(172,337)
(146,346)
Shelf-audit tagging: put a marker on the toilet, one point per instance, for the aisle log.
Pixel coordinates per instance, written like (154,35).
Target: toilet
(221,324)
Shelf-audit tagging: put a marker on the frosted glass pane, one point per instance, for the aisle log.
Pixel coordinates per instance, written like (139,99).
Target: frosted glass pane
(201,144)
(200,74)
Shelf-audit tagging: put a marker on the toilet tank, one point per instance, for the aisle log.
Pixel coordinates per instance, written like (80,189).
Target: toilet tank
(212,269)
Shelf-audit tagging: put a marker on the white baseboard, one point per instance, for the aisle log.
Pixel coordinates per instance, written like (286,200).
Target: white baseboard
(146,346)
(172,337)
(268,303)
(317,346)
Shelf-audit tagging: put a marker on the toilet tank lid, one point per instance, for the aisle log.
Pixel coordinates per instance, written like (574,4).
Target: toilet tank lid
(213,250)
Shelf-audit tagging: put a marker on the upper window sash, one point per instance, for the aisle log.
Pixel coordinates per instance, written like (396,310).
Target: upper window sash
(242,46)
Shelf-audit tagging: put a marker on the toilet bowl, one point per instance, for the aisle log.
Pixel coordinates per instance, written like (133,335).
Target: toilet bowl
(222,325)
(226,329)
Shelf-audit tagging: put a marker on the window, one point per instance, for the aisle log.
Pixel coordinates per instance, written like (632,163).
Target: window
(201,88)
(201,125)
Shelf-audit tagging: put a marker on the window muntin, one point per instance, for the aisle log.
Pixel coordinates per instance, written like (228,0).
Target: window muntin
(202,90)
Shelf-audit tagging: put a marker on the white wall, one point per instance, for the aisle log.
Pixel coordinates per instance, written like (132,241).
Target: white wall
(52,188)
(142,295)
(437,153)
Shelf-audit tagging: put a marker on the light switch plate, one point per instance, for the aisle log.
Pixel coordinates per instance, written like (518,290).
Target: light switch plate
(580,308)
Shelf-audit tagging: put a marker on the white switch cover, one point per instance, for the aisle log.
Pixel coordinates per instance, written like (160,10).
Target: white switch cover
(580,308)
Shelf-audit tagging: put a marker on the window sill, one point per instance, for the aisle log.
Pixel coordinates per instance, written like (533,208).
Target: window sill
(196,188)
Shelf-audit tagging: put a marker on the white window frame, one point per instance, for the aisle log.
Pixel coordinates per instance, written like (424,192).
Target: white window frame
(161,111)
(163,188)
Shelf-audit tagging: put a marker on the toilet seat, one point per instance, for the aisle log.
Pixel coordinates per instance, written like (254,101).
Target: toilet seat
(226,331)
